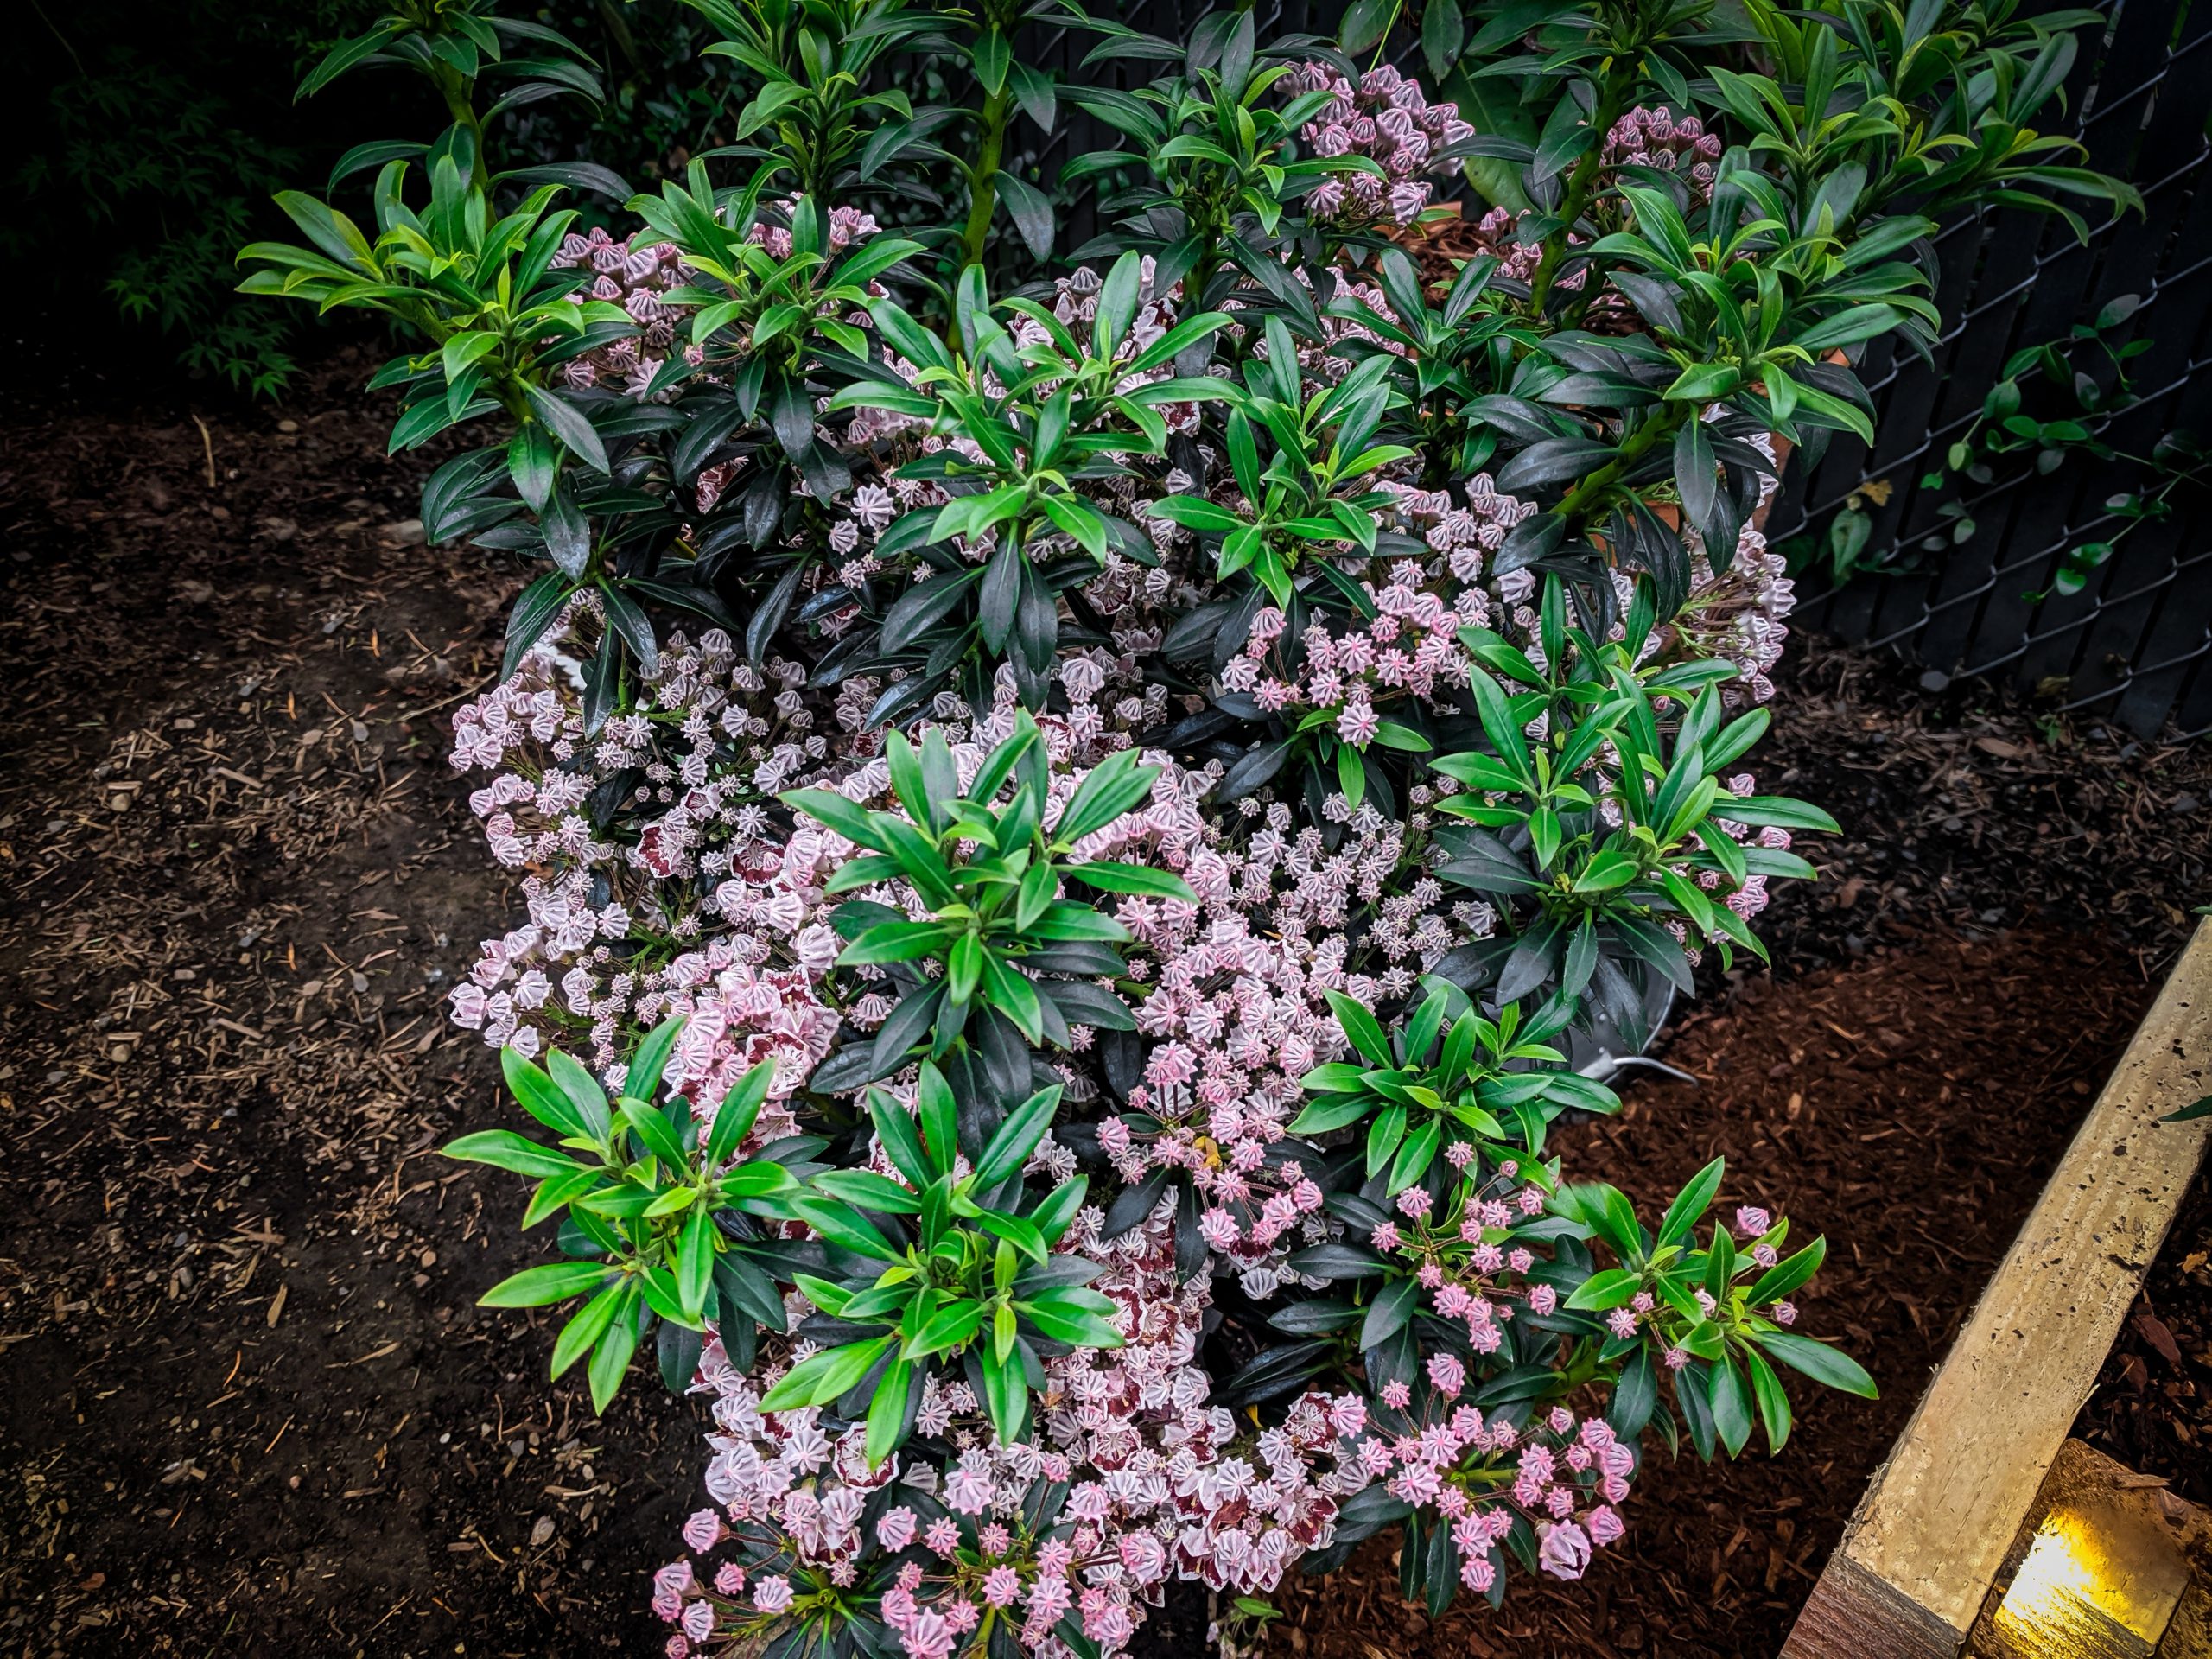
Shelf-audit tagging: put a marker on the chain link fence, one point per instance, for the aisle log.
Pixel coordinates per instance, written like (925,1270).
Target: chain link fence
(2135,642)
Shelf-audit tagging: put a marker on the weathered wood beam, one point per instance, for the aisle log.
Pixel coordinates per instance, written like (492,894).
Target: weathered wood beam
(1926,1542)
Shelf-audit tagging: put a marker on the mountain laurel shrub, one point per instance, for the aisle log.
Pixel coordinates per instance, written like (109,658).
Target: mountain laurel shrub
(1078,807)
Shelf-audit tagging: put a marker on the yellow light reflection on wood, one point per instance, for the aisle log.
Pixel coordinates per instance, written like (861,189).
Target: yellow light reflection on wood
(2087,1590)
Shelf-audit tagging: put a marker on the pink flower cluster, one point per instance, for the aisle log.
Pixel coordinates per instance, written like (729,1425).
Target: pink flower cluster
(847,225)
(1158,1483)
(1239,1013)
(1409,648)
(1561,1474)
(1657,139)
(634,278)
(1386,118)
(679,896)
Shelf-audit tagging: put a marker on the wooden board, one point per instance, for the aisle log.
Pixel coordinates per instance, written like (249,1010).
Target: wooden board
(1923,1548)
(2116,1551)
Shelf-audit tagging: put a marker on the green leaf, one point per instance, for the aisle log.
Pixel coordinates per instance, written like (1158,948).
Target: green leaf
(895,1127)
(1732,1407)
(1025,1126)
(843,1226)
(347,54)
(992,56)
(653,1133)
(1391,736)
(1006,1396)
(554,1283)
(1132,878)
(569,424)
(824,1377)
(1340,1112)
(940,1117)
(740,1110)
(1760,810)
(694,1262)
(590,1322)
(583,1090)
(848,818)
(1023,1235)
(1704,383)
(1786,1275)
(1392,1312)
(538,1095)
(1383,1136)
(610,1360)
(905,768)
(1113,787)
(1360,1027)
(557,1193)
(1615,1287)
(898,942)
(886,1413)
(832,1299)
(1195,512)
(505,1149)
(748,1184)
(1691,1203)
(1824,1364)
(1774,1404)
(641,1079)
(950,1327)
(1608,869)
(1033,211)
(866,1190)
(532,462)
(1056,1213)
(1416,1156)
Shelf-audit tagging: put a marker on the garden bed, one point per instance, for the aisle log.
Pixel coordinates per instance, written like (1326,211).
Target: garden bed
(261,925)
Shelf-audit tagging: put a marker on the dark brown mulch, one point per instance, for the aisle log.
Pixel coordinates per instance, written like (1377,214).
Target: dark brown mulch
(1966,810)
(249,1405)
(1441,247)
(2152,1406)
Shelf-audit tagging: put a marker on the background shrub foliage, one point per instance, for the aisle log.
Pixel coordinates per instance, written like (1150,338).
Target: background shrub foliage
(1079,804)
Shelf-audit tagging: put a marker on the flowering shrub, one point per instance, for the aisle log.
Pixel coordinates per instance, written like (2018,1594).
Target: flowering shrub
(1076,815)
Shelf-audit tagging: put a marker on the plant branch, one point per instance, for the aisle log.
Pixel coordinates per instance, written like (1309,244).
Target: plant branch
(983,192)
(1613,97)
(1641,443)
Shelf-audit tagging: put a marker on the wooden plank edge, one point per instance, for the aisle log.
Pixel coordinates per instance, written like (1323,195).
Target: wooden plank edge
(1873,1598)
(1853,1614)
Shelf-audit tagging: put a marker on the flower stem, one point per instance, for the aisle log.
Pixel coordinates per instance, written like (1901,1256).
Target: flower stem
(983,179)
(1613,96)
(1646,437)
